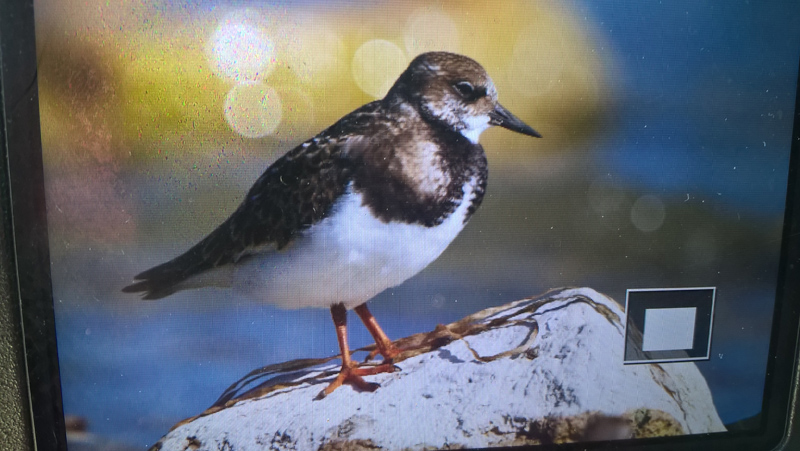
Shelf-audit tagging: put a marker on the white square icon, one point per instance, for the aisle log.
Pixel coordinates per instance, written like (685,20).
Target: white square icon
(668,329)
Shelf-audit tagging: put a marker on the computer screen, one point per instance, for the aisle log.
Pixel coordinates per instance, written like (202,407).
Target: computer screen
(558,222)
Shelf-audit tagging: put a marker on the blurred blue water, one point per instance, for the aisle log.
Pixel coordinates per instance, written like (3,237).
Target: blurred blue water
(707,91)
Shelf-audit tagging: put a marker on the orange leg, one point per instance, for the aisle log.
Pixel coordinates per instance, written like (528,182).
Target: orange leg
(350,373)
(385,346)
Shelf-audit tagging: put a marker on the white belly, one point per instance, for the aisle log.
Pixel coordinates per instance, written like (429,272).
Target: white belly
(347,258)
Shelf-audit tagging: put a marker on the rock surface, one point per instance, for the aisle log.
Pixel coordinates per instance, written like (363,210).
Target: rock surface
(540,370)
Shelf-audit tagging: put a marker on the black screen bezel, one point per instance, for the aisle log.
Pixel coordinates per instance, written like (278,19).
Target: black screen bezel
(25,213)
(23,201)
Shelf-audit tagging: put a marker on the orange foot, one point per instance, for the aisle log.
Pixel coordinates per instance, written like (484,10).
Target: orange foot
(351,374)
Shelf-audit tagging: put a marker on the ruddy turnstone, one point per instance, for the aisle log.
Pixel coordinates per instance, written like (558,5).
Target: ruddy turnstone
(361,207)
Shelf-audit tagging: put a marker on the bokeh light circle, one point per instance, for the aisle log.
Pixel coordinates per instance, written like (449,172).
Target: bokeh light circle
(376,65)
(430,31)
(648,213)
(253,110)
(241,52)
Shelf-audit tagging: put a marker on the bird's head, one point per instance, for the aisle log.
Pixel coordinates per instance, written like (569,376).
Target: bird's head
(455,91)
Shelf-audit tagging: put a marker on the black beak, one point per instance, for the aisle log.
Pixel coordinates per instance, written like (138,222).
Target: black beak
(502,117)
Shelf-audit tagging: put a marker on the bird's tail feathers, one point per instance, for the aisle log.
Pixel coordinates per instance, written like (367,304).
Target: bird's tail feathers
(193,269)
(158,282)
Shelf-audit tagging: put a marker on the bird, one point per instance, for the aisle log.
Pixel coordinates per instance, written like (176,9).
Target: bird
(361,207)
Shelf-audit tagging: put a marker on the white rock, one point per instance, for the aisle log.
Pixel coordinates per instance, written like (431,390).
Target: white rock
(486,380)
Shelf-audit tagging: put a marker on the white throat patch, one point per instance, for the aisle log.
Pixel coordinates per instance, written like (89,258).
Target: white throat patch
(475,126)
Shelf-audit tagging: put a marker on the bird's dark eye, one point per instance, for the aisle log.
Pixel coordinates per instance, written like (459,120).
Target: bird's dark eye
(465,89)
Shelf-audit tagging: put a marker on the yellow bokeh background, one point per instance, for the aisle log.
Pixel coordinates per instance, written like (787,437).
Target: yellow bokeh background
(149,88)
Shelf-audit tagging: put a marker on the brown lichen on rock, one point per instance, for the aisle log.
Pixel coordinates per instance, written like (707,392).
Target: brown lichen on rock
(349,445)
(589,426)
(654,423)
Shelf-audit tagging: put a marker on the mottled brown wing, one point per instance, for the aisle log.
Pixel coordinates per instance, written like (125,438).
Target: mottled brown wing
(295,192)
